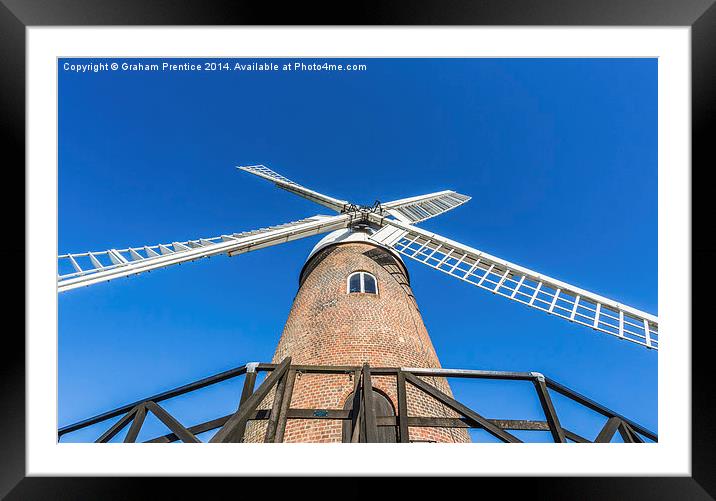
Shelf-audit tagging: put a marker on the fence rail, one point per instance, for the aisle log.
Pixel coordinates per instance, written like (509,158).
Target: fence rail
(363,418)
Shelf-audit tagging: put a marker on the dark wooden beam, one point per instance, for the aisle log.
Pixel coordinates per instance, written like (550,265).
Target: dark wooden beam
(248,388)
(233,429)
(246,392)
(194,430)
(285,406)
(550,413)
(196,385)
(118,426)
(520,424)
(462,409)
(270,434)
(633,436)
(575,438)
(175,426)
(443,422)
(371,429)
(608,431)
(339,414)
(136,425)
(462,373)
(626,436)
(357,408)
(402,409)
(587,402)
(314,369)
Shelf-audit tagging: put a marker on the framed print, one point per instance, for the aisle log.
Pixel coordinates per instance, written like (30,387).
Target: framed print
(423,157)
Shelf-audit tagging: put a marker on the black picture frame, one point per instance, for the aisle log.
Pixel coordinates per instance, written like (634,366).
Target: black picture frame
(700,15)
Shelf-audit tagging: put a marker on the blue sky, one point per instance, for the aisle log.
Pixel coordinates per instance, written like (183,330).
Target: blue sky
(560,157)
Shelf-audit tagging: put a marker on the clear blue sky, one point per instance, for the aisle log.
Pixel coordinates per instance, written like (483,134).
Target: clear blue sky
(560,157)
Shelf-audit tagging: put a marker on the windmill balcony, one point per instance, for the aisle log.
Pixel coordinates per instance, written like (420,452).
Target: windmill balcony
(366,418)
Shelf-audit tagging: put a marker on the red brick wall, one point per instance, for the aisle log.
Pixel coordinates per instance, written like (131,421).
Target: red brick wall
(328,326)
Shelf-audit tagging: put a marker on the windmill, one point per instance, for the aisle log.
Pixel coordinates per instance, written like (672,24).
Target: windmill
(355,308)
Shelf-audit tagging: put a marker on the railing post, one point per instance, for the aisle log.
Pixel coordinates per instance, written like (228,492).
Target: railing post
(275,409)
(233,430)
(357,408)
(285,406)
(246,392)
(402,408)
(249,382)
(371,428)
(550,413)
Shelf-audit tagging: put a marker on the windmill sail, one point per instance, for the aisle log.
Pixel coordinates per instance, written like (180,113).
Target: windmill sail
(288,185)
(518,283)
(417,209)
(82,269)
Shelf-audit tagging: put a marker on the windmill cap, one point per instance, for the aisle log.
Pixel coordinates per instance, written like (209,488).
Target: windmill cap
(351,235)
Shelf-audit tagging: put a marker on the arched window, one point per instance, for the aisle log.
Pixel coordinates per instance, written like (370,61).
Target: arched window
(362,281)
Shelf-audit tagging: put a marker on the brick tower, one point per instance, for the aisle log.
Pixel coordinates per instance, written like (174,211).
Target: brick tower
(354,305)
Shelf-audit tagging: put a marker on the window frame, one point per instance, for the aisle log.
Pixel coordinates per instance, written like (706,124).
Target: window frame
(362,274)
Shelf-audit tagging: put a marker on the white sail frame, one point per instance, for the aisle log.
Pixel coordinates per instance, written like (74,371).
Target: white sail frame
(134,260)
(288,185)
(416,209)
(518,283)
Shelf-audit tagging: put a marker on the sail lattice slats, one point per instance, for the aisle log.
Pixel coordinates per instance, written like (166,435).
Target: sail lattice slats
(417,209)
(86,268)
(520,284)
(288,185)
